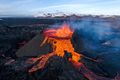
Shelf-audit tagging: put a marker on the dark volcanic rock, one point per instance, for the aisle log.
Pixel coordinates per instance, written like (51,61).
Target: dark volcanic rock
(32,48)
(106,53)
(58,68)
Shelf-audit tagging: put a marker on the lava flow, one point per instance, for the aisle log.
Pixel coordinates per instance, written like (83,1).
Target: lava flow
(61,41)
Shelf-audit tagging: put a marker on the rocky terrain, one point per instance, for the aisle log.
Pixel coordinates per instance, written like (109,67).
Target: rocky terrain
(95,37)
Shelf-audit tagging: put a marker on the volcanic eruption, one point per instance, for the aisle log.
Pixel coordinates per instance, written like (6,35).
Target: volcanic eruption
(60,39)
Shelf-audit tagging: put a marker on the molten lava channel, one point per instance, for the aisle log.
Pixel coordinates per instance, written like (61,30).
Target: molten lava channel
(61,41)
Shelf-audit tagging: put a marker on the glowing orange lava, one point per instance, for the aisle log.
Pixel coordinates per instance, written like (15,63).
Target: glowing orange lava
(61,41)
(40,62)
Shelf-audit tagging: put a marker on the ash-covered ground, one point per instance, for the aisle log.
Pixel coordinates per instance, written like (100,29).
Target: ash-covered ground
(95,37)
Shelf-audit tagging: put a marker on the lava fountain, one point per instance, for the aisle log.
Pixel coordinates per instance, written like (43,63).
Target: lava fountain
(61,41)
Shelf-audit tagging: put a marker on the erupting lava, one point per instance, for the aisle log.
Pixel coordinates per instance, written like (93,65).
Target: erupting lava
(61,40)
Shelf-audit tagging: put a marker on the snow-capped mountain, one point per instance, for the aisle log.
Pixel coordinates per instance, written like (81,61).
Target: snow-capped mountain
(51,14)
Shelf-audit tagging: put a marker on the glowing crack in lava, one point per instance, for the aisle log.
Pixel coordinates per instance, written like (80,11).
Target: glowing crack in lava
(61,41)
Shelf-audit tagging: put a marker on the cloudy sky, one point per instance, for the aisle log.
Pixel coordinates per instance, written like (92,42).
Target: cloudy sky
(32,7)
